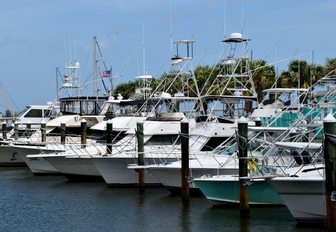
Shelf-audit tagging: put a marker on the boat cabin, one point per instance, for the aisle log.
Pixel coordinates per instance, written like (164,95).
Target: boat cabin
(84,105)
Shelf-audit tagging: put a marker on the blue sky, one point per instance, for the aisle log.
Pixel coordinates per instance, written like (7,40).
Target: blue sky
(36,36)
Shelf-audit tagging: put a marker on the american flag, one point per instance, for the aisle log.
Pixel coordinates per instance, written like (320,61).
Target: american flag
(106,73)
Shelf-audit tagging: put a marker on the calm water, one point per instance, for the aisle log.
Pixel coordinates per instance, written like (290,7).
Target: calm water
(31,203)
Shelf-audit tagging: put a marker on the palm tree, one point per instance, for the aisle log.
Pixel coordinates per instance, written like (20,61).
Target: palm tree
(125,89)
(263,76)
(330,67)
(202,74)
(300,72)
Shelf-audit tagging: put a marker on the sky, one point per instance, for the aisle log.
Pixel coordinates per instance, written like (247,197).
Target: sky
(37,36)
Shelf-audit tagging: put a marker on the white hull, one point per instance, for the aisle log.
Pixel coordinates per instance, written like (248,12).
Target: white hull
(73,166)
(40,166)
(303,192)
(16,154)
(10,156)
(170,175)
(67,162)
(115,171)
(305,199)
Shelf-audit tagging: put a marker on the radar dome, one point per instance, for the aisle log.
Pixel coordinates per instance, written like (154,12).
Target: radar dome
(236,36)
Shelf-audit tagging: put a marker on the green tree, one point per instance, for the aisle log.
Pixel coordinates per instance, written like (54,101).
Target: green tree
(330,67)
(125,89)
(263,76)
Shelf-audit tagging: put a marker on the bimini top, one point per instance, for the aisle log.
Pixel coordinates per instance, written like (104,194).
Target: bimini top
(144,77)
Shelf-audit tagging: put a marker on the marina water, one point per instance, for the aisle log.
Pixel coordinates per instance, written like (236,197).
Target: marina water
(46,203)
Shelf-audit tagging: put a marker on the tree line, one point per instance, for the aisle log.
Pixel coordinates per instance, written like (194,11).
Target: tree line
(299,74)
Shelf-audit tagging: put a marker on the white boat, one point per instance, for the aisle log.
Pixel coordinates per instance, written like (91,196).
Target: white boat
(159,137)
(28,134)
(75,162)
(73,111)
(303,192)
(77,166)
(224,106)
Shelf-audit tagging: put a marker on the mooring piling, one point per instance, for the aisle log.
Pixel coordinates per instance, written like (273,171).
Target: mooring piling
(329,124)
(109,137)
(185,159)
(243,172)
(43,132)
(141,159)
(62,130)
(16,131)
(83,125)
(4,130)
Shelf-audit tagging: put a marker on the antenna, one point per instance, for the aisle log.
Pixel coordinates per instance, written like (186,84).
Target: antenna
(242,19)
(143,50)
(170,27)
(224,17)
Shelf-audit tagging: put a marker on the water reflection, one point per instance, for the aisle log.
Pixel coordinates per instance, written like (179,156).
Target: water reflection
(185,215)
(244,224)
(31,203)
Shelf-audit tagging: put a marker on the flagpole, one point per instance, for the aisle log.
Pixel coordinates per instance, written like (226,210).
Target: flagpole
(111,81)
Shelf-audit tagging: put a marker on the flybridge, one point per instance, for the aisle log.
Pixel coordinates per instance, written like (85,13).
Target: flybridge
(84,105)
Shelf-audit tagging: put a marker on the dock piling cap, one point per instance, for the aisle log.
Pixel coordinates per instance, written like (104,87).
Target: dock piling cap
(329,118)
(242,119)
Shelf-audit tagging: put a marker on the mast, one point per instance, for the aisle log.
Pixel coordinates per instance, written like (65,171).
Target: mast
(57,91)
(95,67)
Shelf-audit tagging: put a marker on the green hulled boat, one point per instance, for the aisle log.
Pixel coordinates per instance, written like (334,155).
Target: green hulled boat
(224,189)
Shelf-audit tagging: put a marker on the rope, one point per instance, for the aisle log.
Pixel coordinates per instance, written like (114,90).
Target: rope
(242,141)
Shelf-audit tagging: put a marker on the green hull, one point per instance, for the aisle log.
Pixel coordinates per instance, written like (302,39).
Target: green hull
(221,192)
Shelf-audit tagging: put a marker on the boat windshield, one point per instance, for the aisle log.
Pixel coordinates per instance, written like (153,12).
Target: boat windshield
(24,111)
(81,106)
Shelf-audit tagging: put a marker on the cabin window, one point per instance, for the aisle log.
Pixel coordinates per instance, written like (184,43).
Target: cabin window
(163,140)
(34,113)
(88,108)
(70,107)
(213,142)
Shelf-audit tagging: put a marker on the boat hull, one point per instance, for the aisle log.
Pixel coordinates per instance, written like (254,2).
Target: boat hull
(221,192)
(115,171)
(170,177)
(39,166)
(11,155)
(305,199)
(76,169)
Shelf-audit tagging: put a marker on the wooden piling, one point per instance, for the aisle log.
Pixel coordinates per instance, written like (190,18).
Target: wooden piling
(62,129)
(185,159)
(4,130)
(109,137)
(16,131)
(141,160)
(43,132)
(243,169)
(83,133)
(329,124)
(28,129)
